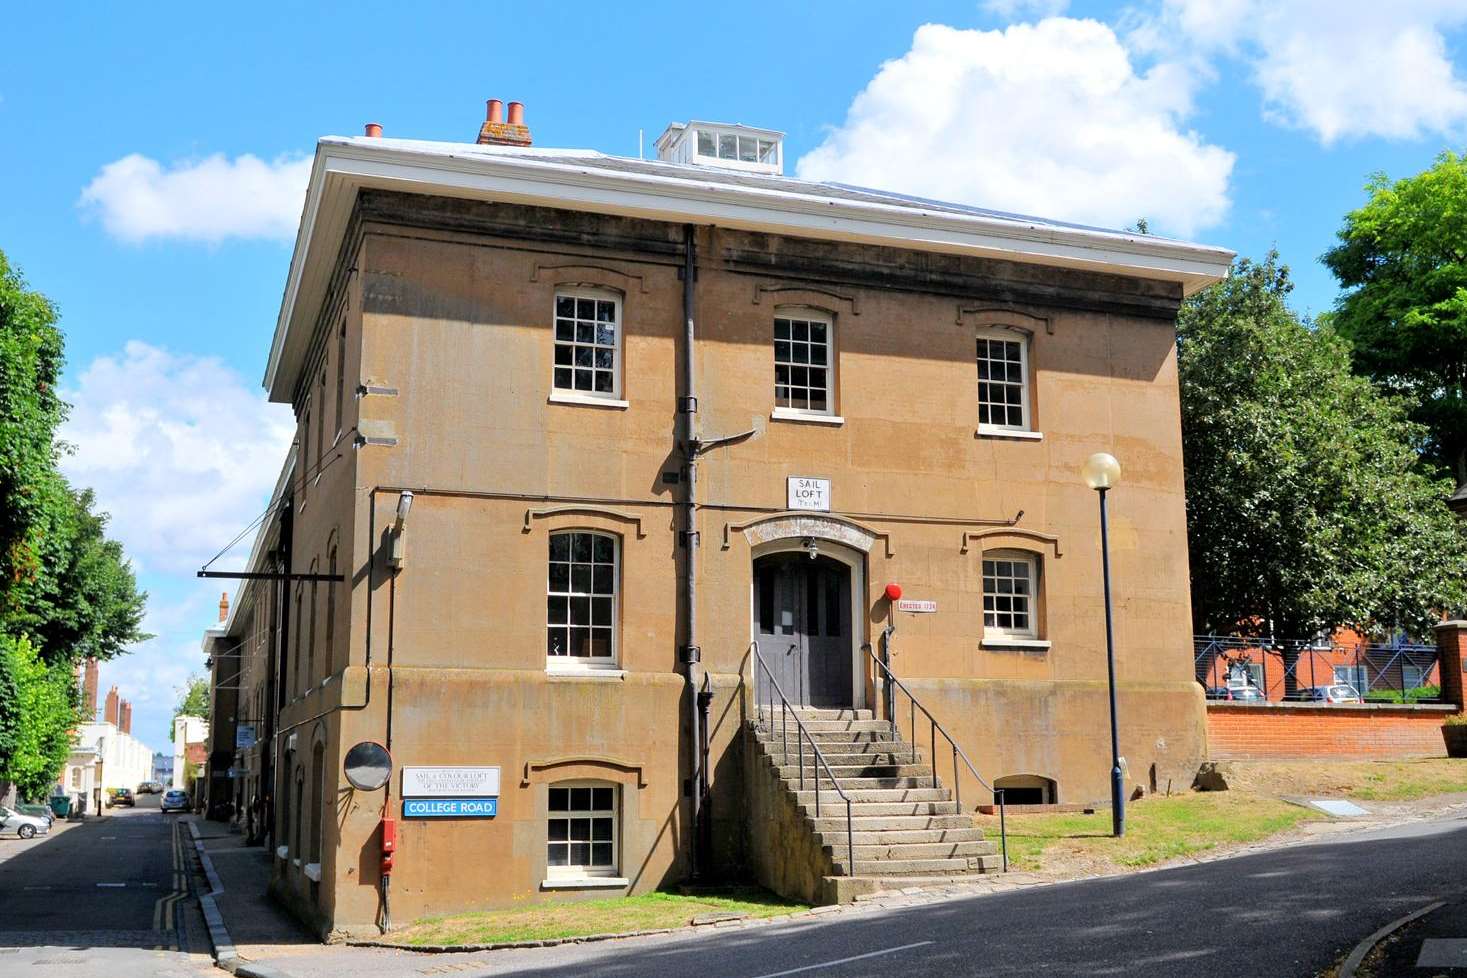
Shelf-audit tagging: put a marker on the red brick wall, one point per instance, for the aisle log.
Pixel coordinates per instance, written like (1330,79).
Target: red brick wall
(1301,730)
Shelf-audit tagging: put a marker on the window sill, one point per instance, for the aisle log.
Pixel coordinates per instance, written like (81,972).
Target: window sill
(313,872)
(604,675)
(586,400)
(586,883)
(1024,644)
(1013,433)
(790,414)
(282,851)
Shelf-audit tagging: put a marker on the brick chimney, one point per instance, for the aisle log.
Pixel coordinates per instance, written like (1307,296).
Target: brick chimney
(110,712)
(89,691)
(124,722)
(496,132)
(223,606)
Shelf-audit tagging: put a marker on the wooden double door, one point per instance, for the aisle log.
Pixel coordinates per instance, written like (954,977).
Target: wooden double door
(802,619)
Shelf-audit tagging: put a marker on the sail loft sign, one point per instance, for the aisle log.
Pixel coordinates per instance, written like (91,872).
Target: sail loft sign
(808,494)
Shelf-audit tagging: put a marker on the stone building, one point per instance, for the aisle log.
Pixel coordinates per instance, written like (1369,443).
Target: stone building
(577,431)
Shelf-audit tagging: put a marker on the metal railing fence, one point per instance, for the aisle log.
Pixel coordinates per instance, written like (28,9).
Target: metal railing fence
(935,728)
(1266,669)
(802,734)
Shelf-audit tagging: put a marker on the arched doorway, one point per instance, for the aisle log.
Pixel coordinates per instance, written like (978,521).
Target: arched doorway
(803,623)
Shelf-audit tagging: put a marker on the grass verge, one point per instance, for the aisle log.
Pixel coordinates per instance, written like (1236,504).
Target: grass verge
(582,918)
(1157,829)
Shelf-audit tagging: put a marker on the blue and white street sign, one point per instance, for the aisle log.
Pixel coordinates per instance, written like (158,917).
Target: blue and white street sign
(450,807)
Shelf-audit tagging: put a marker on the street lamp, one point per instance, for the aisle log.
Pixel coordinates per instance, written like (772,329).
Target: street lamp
(1102,472)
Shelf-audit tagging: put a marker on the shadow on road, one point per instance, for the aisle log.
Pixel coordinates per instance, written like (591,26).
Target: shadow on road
(1291,911)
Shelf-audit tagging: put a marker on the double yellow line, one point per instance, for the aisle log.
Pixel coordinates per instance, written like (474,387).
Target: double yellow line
(164,917)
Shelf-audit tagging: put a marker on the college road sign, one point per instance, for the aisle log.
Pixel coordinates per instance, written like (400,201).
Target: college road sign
(450,807)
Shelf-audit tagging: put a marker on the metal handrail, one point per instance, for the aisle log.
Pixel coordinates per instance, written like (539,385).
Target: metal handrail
(957,752)
(801,735)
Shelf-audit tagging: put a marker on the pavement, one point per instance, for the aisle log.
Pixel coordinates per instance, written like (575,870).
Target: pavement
(108,895)
(1279,912)
(1433,946)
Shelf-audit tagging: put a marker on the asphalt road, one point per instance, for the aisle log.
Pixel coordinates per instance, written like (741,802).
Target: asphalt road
(1286,912)
(110,895)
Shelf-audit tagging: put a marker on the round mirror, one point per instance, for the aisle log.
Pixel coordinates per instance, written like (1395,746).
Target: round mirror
(368,766)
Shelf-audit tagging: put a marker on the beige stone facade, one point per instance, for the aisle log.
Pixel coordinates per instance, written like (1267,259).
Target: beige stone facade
(432,370)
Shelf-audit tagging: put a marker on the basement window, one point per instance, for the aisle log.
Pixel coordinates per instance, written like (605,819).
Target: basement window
(581,838)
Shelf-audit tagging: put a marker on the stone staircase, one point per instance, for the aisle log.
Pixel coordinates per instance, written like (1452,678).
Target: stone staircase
(907,830)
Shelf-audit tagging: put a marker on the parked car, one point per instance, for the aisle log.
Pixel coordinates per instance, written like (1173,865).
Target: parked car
(13,822)
(150,788)
(1247,694)
(37,811)
(174,800)
(1338,693)
(121,797)
(1217,692)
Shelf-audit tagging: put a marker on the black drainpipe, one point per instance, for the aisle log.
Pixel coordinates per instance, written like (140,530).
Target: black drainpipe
(690,654)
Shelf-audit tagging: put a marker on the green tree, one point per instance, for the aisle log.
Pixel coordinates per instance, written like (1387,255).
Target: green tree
(193,701)
(82,600)
(47,699)
(30,410)
(1402,260)
(1308,507)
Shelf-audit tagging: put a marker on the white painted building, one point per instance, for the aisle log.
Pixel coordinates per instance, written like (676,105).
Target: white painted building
(126,761)
(187,730)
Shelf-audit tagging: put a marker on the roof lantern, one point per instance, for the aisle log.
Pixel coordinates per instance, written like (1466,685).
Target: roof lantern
(722,144)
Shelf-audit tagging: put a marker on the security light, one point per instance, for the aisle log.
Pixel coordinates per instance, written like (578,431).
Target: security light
(399,546)
(811,547)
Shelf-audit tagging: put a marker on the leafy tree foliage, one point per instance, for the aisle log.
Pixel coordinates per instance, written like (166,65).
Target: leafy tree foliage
(66,591)
(1308,507)
(30,410)
(193,701)
(48,702)
(1402,259)
(82,600)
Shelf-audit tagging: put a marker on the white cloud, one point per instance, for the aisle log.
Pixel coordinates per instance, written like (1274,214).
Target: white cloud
(1050,119)
(1338,68)
(209,199)
(1017,9)
(179,450)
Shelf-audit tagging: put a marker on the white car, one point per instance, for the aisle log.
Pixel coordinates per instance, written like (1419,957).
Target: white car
(25,826)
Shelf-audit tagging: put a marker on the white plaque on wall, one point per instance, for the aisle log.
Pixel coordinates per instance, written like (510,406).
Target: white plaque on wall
(811,494)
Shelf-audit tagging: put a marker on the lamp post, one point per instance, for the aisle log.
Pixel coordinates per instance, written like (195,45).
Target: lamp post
(1102,472)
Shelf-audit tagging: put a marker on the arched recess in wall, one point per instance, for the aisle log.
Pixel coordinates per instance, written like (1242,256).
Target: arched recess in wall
(821,526)
(805,297)
(1011,538)
(978,315)
(598,767)
(1028,789)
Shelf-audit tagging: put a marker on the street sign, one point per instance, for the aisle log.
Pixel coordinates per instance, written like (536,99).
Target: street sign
(915,607)
(450,782)
(811,494)
(450,807)
(244,736)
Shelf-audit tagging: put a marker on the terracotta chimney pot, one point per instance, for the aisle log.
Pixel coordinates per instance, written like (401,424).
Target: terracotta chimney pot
(223,606)
(374,129)
(495,111)
(517,113)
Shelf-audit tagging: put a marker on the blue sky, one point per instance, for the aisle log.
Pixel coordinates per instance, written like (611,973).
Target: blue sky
(123,194)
